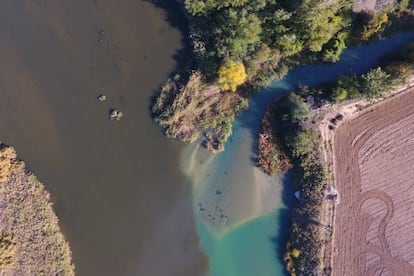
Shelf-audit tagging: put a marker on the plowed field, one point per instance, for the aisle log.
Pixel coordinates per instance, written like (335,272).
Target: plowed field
(374,174)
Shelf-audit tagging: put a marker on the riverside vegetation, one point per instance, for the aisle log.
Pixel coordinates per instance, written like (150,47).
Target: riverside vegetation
(293,121)
(239,46)
(31,242)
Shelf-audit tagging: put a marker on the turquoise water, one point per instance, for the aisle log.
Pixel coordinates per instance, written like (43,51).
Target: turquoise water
(244,244)
(255,246)
(252,248)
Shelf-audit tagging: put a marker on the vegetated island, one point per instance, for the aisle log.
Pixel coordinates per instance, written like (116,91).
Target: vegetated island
(240,46)
(31,242)
(299,129)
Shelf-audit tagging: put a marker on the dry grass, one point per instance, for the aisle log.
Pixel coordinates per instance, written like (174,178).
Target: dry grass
(197,109)
(7,249)
(8,162)
(26,214)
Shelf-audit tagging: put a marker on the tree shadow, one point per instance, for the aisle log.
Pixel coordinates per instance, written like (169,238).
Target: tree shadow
(175,16)
(283,218)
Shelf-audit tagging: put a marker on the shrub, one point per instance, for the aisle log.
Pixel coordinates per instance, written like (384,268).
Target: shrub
(340,94)
(376,25)
(295,253)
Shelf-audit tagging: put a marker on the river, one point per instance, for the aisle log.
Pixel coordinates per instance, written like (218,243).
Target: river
(121,199)
(124,203)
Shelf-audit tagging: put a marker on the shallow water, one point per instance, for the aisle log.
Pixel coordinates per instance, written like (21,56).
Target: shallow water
(256,205)
(250,249)
(120,197)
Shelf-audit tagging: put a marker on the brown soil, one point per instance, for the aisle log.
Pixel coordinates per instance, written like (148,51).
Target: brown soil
(374,169)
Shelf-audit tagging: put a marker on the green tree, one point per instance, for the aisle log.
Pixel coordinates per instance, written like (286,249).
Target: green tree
(375,83)
(351,84)
(235,32)
(200,7)
(335,48)
(319,21)
(303,142)
(299,109)
(289,44)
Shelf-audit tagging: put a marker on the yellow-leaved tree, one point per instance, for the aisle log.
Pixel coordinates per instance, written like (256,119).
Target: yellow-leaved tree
(230,75)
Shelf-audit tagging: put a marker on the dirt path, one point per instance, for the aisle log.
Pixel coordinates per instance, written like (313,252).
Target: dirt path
(374,169)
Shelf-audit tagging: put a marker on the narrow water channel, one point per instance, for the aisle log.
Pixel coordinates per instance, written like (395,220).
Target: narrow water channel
(117,189)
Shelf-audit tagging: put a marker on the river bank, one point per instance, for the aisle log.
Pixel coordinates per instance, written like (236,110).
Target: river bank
(31,241)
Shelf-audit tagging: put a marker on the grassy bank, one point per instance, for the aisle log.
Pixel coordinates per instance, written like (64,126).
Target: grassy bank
(295,129)
(31,242)
(241,46)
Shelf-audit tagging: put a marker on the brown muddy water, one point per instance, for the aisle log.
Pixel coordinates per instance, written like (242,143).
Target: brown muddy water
(116,185)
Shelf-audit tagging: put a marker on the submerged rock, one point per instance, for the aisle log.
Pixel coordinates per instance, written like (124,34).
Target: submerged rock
(102,98)
(115,115)
(101,34)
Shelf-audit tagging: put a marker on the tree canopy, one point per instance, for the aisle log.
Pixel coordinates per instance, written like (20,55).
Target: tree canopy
(299,30)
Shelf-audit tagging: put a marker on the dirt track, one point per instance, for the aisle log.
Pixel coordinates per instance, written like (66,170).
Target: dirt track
(374,172)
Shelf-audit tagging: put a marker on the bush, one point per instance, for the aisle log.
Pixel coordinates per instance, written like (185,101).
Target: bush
(340,94)
(374,26)
(295,253)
